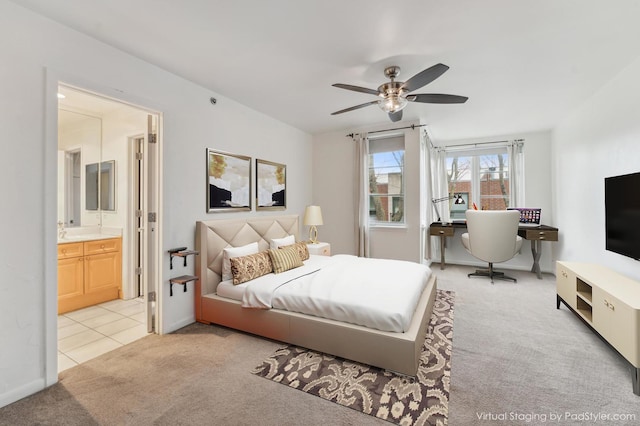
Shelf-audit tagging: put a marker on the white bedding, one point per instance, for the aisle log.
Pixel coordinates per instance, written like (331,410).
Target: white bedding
(375,293)
(230,291)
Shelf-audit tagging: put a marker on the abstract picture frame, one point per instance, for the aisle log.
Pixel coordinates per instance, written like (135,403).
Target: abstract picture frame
(228,182)
(271,185)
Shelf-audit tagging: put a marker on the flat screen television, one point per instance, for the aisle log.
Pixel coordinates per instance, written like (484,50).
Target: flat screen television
(622,214)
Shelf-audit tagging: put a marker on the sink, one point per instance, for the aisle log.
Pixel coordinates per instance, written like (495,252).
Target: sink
(82,237)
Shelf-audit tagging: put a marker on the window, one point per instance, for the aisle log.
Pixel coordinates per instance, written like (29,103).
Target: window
(386,180)
(480,177)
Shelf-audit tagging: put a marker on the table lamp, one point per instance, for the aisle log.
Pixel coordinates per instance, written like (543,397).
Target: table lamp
(312,218)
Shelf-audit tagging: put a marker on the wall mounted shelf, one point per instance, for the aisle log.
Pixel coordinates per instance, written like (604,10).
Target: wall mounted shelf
(180,252)
(182,279)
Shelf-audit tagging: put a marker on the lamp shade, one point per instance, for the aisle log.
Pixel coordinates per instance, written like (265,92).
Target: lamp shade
(392,103)
(312,216)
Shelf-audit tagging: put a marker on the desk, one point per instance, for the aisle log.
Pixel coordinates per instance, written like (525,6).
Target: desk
(535,234)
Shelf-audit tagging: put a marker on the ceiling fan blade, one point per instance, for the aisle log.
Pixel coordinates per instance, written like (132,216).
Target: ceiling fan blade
(395,116)
(424,77)
(437,98)
(354,107)
(356,89)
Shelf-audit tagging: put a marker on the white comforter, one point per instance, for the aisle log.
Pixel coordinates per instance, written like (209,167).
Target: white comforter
(376,293)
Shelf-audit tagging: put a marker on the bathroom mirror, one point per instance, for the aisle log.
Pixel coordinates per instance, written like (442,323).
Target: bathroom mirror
(100,186)
(108,185)
(92,176)
(79,145)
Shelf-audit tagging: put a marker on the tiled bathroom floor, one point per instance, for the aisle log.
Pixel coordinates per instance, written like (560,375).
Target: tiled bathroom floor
(87,333)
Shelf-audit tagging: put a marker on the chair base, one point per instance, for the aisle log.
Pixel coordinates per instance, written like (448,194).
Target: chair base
(491,273)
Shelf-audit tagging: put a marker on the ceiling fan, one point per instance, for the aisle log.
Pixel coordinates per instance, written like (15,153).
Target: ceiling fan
(396,94)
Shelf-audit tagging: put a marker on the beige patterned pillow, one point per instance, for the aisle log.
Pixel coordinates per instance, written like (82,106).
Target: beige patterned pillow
(247,268)
(284,259)
(301,247)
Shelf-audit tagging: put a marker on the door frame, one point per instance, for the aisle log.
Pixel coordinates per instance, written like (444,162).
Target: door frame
(132,217)
(53,78)
(141,231)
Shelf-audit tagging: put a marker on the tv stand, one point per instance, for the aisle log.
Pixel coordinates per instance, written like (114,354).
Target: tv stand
(607,302)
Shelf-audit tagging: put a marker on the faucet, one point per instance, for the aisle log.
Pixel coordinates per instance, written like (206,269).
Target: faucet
(61,231)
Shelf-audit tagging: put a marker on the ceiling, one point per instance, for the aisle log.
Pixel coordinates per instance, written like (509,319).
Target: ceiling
(523,64)
(75,106)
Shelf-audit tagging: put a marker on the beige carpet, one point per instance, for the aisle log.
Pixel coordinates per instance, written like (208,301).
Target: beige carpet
(515,355)
(200,375)
(420,400)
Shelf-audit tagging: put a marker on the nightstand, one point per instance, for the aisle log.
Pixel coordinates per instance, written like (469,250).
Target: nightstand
(323,249)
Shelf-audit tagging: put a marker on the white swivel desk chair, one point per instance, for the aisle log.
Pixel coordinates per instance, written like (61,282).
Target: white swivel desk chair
(493,237)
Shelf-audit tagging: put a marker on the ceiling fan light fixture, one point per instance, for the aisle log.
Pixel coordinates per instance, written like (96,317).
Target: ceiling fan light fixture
(392,103)
(395,95)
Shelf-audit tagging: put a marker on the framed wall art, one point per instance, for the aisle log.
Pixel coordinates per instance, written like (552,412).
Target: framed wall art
(271,185)
(228,182)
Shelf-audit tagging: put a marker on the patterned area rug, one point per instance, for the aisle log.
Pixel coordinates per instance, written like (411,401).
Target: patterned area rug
(404,400)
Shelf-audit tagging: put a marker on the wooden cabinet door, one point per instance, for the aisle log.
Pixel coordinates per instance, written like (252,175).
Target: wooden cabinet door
(602,315)
(566,284)
(102,246)
(615,321)
(624,331)
(70,277)
(103,272)
(68,250)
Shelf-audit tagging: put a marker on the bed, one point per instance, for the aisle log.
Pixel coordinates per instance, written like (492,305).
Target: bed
(395,351)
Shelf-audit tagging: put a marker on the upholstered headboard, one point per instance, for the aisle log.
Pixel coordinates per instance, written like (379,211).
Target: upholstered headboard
(215,235)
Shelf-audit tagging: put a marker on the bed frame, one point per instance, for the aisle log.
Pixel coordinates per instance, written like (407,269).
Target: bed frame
(399,352)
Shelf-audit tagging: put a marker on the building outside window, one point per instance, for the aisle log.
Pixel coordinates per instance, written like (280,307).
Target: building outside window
(386,180)
(481,178)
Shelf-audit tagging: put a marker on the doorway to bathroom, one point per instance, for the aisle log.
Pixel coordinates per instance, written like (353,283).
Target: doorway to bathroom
(108,237)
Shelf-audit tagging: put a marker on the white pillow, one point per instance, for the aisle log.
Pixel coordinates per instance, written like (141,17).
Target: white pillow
(229,252)
(286,241)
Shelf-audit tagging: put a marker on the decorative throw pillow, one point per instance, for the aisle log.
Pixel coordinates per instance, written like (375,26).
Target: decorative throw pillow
(286,241)
(231,252)
(302,249)
(285,259)
(247,268)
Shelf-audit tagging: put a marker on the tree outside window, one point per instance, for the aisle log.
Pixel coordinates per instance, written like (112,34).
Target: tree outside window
(484,177)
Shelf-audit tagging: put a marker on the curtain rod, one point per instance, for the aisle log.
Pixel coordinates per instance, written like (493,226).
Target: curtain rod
(412,127)
(475,144)
(479,143)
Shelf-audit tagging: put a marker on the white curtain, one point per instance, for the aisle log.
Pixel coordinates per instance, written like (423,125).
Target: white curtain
(516,173)
(439,184)
(427,179)
(362,219)
(435,159)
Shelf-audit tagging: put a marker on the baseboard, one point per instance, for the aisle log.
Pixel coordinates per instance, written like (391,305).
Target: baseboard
(21,392)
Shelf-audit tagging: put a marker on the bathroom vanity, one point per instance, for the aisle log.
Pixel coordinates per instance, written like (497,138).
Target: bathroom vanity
(89,271)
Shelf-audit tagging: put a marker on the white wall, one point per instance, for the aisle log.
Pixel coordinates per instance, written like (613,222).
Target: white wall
(334,178)
(538,194)
(600,139)
(40,53)
(334,162)
(335,190)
